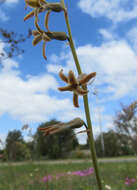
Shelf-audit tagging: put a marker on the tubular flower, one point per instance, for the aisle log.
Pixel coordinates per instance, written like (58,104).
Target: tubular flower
(75,123)
(41,6)
(76,85)
(40,35)
(55,7)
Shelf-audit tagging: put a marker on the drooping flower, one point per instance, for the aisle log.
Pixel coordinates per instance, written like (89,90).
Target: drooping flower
(76,84)
(40,35)
(41,6)
(75,123)
(36,5)
(53,7)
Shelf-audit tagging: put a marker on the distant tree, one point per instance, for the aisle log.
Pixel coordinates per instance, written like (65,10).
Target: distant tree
(22,152)
(57,145)
(12,137)
(13,40)
(115,145)
(15,147)
(126,123)
(31,147)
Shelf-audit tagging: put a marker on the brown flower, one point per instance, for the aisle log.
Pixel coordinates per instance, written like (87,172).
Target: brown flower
(73,124)
(53,7)
(36,5)
(41,6)
(40,35)
(76,85)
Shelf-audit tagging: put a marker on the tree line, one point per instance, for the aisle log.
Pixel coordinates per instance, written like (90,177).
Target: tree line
(40,147)
(118,142)
(122,141)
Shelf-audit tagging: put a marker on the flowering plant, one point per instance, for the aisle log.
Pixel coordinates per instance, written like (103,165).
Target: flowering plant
(77,85)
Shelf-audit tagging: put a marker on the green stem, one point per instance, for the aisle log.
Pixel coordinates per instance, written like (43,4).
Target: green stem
(71,43)
(86,106)
(91,142)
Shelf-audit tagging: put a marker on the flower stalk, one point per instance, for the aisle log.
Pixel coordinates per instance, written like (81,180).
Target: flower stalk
(86,105)
(77,85)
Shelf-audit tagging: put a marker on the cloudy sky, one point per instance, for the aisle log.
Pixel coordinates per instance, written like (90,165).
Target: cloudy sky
(105,35)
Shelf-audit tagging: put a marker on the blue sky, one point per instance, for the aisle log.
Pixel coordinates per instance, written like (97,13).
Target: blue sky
(105,35)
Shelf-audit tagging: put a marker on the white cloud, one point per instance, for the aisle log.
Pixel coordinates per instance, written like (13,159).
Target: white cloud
(116,11)
(32,99)
(2,140)
(35,98)
(132,37)
(8,2)
(11,1)
(115,63)
(107,35)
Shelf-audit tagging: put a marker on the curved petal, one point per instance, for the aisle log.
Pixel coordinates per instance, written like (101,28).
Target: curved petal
(36,40)
(62,76)
(71,78)
(47,19)
(75,100)
(43,50)
(87,78)
(66,88)
(29,15)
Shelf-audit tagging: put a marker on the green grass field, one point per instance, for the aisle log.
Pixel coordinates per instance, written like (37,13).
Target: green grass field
(29,176)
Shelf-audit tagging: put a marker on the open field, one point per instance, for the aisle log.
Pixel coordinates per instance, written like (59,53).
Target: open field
(66,161)
(29,176)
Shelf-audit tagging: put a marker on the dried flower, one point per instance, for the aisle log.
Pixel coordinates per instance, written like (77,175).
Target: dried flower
(75,123)
(76,85)
(55,7)
(46,37)
(41,6)
(36,4)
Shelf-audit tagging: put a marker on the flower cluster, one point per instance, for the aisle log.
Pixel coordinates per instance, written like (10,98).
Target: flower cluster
(47,178)
(41,6)
(46,37)
(56,128)
(83,172)
(80,173)
(76,85)
(129,181)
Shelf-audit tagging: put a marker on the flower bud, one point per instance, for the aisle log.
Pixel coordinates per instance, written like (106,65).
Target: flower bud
(62,36)
(56,7)
(34,3)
